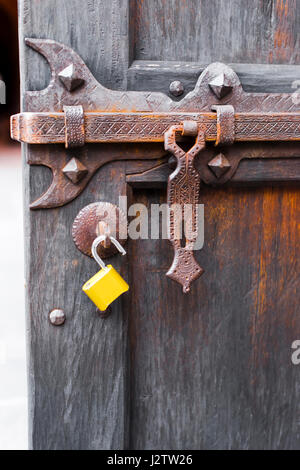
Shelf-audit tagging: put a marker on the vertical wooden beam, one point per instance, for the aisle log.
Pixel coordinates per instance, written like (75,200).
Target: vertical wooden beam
(77,372)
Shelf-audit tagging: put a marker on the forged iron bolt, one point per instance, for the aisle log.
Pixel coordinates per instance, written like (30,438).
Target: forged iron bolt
(70,79)
(220,86)
(219,165)
(75,170)
(57,317)
(176,88)
(190,128)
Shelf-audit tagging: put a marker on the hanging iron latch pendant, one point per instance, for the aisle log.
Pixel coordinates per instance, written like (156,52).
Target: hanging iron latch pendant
(82,111)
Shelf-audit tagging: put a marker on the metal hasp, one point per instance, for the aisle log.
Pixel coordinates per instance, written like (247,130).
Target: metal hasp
(183,190)
(218,112)
(96,219)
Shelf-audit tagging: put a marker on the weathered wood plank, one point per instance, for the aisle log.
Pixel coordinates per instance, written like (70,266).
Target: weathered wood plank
(210,370)
(261,78)
(249,171)
(208,31)
(77,373)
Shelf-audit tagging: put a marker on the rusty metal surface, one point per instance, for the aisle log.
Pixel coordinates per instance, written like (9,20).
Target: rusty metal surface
(99,218)
(74,126)
(103,127)
(72,84)
(63,190)
(226,125)
(219,165)
(183,189)
(86,112)
(200,99)
(259,152)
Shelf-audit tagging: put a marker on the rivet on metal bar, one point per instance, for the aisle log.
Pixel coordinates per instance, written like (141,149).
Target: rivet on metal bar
(74,126)
(189,128)
(225,124)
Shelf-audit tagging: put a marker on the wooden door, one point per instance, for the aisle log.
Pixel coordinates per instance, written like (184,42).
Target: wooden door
(207,370)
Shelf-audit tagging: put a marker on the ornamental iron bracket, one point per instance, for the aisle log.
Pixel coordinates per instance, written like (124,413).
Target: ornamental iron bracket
(75,109)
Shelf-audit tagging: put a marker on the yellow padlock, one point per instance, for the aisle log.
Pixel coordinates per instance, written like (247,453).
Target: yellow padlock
(107,285)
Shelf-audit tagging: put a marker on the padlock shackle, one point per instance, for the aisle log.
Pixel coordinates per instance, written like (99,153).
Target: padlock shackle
(97,242)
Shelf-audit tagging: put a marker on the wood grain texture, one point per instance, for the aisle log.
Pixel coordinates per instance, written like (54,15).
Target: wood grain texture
(211,370)
(263,31)
(260,78)
(77,373)
(249,171)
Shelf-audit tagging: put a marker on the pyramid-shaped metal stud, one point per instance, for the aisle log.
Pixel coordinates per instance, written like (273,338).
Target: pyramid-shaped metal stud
(220,86)
(219,165)
(75,170)
(70,78)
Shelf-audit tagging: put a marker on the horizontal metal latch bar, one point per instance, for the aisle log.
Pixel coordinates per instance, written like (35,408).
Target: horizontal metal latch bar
(49,128)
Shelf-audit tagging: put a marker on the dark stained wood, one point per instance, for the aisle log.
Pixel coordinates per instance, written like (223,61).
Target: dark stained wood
(210,370)
(77,372)
(271,170)
(263,78)
(249,171)
(263,31)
